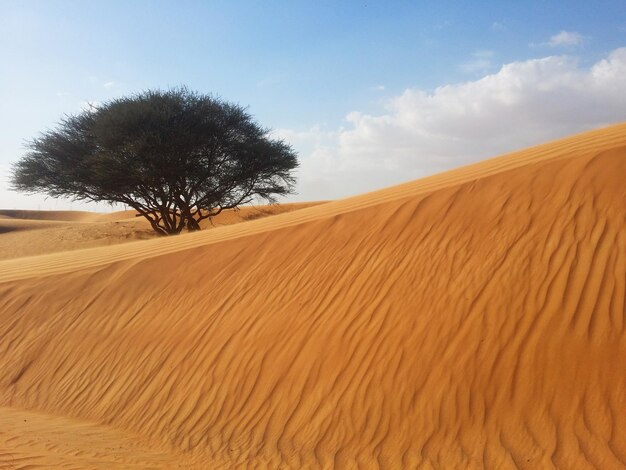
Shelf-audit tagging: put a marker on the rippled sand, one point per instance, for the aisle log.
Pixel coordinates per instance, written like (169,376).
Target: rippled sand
(473,319)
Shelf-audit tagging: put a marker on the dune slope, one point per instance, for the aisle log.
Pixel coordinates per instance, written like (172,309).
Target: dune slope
(36,440)
(33,233)
(470,320)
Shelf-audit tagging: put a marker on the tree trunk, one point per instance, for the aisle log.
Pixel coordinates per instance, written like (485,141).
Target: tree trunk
(157,228)
(161,226)
(192,225)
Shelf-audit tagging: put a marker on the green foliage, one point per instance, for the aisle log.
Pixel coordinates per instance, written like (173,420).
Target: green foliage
(175,156)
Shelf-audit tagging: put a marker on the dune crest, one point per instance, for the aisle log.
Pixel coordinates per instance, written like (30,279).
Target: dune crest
(34,233)
(474,319)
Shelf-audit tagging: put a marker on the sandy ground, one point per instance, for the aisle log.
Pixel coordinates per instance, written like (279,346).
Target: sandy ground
(474,319)
(30,233)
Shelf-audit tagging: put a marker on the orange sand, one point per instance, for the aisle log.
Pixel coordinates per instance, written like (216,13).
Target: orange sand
(474,319)
(29,233)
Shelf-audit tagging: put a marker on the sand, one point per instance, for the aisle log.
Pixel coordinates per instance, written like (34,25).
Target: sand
(474,319)
(30,233)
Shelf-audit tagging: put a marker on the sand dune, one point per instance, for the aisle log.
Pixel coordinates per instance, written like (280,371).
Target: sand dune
(474,319)
(30,233)
(34,440)
(65,216)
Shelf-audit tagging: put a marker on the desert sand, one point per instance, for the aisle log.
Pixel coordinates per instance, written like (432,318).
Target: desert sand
(473,319)
(29,233)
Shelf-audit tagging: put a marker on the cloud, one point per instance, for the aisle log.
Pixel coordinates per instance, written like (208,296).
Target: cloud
(480,63)
(423,132)
(566,38)
(108,85)
(378,88)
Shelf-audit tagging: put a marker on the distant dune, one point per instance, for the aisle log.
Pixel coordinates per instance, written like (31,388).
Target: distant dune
(473,319)
(30,233)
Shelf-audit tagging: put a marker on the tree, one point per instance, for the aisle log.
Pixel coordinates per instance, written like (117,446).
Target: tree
(176,157)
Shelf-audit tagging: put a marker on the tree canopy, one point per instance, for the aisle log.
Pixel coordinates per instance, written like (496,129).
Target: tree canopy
(176,157)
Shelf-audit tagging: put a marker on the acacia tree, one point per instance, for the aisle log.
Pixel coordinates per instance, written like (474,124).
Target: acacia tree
(176,157)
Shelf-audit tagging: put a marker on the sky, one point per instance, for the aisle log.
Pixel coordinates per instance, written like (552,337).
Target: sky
(370,93)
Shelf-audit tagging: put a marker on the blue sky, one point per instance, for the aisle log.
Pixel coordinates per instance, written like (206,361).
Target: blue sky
(355,86)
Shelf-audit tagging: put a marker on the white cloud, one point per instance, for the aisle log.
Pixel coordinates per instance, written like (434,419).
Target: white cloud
(566,38)
(422,132)
(109,85)
(378,88)
(479,63)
